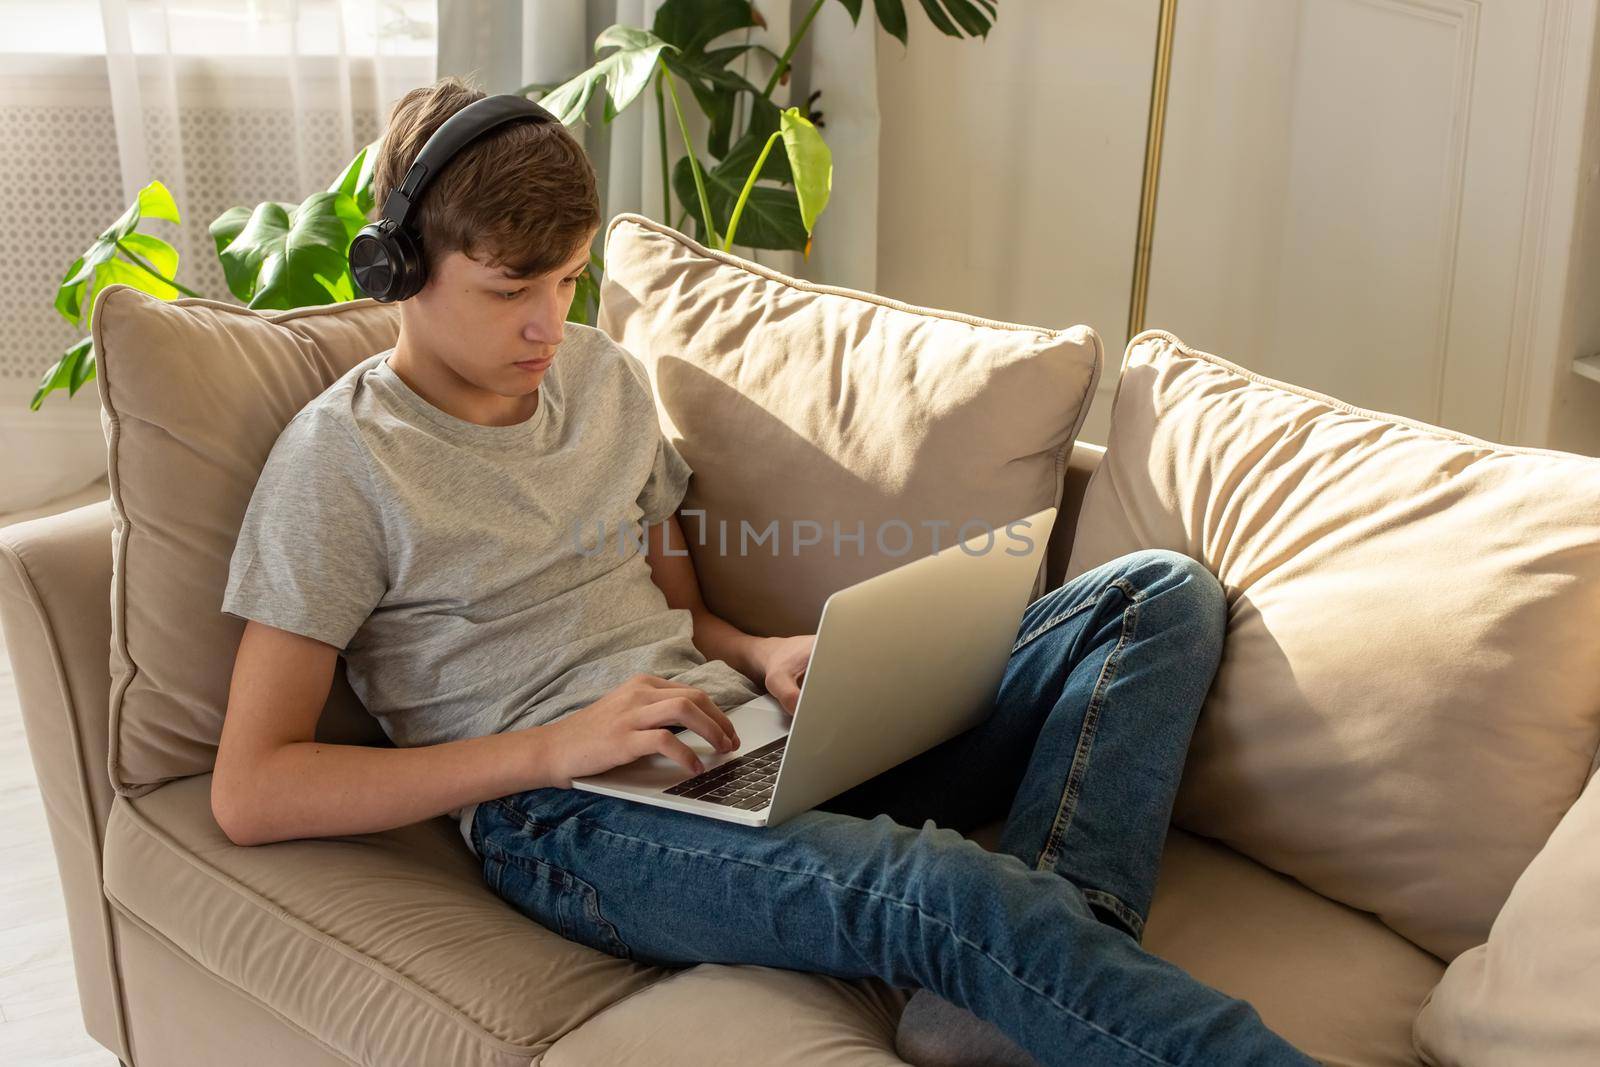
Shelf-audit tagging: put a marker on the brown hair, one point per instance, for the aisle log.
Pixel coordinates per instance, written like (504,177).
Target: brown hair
(520,198)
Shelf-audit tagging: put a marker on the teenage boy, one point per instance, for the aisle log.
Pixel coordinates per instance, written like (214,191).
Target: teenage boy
(419,516)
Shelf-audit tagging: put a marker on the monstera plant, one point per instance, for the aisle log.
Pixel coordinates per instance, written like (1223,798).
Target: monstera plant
(282,255)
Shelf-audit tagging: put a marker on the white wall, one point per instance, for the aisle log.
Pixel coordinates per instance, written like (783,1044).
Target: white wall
(1378,199)
(1009,170)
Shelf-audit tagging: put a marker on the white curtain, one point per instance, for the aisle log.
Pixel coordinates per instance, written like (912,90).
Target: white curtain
(505,45)
(232,102)
(236,101)
(226,102)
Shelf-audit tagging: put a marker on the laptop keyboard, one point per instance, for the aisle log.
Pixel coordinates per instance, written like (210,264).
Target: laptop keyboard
(743,782)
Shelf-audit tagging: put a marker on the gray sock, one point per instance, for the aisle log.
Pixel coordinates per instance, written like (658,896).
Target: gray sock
(936,1033)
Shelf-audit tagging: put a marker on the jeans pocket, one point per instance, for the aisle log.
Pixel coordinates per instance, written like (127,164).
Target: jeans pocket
(553,897)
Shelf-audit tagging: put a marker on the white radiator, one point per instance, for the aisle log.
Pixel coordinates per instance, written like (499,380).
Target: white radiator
(241,143)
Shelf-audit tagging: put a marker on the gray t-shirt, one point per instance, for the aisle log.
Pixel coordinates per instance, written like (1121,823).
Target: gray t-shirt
(477,578)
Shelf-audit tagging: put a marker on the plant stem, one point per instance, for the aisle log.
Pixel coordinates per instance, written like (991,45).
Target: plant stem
(661,136)
(694,163)
(744,194)
(139,262)
(783,61)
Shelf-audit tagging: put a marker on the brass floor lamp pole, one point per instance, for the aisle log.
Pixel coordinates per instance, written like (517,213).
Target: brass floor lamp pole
(1159,83)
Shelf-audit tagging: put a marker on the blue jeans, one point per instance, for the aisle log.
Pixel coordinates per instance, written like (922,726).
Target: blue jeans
(1081,754)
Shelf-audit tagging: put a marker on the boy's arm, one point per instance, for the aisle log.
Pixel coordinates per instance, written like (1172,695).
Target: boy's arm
(274,781)
(777,664)
(673,572)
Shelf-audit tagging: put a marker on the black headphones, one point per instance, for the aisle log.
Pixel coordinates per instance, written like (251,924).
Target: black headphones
(386,256)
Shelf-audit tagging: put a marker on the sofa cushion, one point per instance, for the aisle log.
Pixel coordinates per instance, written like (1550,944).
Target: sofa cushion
(388,948)
(1531,993)
(1334,981)
(832,414)
(193,394)
(1409,695)
(718,1013)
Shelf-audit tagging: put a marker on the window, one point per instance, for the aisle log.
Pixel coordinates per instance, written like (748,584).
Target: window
(225,27)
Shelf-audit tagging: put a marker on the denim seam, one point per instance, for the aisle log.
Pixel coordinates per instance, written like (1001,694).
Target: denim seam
(1114,904)
(1053,621)
(591,905)
(495,864)
(910,905)
(590,902)
(1068,805)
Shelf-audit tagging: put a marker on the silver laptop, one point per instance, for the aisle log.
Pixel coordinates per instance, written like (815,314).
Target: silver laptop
(902,661)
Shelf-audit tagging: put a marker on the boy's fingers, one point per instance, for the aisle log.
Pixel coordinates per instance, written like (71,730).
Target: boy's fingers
(664,742)
(678,708)
(704,702)
(700,697)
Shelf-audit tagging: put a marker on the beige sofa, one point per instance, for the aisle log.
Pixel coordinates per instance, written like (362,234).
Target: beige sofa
(387,949)
(345,938)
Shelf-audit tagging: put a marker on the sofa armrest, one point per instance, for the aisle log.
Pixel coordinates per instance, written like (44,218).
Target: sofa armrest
(55,597)
(1080,467)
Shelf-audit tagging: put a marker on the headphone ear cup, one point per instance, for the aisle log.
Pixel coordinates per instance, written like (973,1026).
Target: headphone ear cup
(413,268)
(386,261)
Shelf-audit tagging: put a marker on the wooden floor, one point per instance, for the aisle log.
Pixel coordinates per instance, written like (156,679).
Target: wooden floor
(40,1024)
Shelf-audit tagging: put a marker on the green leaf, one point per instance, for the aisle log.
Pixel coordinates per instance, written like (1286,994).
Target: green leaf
(83,367)
(812,164)
(764,118)
(771,218)
(854,7)
(343,288)
(63,373)
(356,181)
(155,202)
(153,250)
(941,22)
(974,20)
(624,73)
(120,271)
(717,103)
(283,255)
(92,271)
(238,269)
(743,155)
(69,294)
(89,280)
(692,24)
(717,91)
(106,272)
(892,17)
(954,18)
(585,291)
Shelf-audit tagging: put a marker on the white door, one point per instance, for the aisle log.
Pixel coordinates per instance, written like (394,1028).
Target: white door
(1376,199)
(1361,197)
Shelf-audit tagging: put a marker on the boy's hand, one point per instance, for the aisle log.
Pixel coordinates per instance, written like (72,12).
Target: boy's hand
(783,666)
(631,721)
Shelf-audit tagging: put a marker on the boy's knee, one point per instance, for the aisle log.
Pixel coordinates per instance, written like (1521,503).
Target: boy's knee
(1183,593)
(1187,578)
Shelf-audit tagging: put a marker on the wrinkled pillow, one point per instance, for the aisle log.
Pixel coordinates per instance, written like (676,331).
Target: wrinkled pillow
(193,394)
(1409,695)
(857,432)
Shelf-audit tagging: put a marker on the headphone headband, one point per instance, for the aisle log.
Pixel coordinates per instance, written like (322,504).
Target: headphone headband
(386,257)
(454,134)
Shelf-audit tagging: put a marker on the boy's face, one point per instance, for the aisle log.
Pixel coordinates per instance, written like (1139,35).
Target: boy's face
(481,323)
